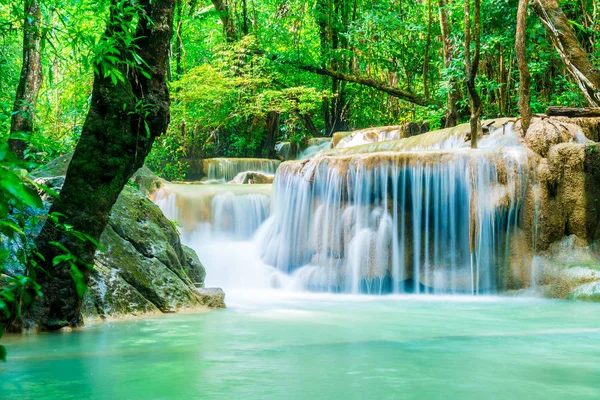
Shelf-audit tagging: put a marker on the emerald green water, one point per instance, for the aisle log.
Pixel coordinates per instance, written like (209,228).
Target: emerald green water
(322,347)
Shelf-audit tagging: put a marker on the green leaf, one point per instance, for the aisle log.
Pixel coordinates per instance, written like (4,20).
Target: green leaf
(77,276)
(3,353)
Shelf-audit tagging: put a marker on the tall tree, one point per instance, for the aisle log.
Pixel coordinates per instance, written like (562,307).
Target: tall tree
(31,77)
(471,66)
(129,109)
(569,49)
(525,77)
(448,51)
(227,19)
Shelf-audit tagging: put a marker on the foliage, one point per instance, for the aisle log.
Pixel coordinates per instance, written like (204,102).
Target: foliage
(21,216)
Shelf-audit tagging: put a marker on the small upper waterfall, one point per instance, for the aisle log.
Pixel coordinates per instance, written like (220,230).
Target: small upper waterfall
(225,169)
(289,151)
(215,211)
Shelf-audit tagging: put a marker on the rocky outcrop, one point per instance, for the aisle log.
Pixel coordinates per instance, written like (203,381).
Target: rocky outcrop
(253,177)
(569,269)
(143,262)
(212,297)
(142,268)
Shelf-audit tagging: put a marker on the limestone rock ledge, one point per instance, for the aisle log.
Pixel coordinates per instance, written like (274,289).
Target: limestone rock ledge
(569,269)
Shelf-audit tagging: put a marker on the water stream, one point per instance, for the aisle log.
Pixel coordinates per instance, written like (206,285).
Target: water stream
(269,345)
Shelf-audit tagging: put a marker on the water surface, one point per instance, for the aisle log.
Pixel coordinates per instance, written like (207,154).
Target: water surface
(275,346)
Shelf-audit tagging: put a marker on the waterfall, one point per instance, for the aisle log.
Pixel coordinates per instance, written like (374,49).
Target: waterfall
(414,221)
(225,169)
(219,222)
(425,214)
(215,211)
(315,145)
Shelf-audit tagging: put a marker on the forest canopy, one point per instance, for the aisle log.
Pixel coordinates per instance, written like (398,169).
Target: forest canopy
(245,74)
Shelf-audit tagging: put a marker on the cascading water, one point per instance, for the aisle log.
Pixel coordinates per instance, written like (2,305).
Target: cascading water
(223,170)
(418,219)
(288,151)
(218,221)
(396,223)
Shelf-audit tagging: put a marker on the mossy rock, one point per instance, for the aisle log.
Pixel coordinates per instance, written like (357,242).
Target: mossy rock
(142,267)
(142,248)
(587,292)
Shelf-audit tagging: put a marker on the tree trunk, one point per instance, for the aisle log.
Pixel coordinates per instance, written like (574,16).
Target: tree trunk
(272,132)
(427,46)
(568,47)
(120,128)
(179,49)
(573,112)
(30,80)
(453,94)
(226,19)
(309,125)
(471,66)
(246,21)
(525,77)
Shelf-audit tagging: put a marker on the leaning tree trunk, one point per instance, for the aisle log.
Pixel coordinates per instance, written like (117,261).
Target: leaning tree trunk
(30,80)
(453,94)
(471,66)
(121,125)
(525,77)
(568,47)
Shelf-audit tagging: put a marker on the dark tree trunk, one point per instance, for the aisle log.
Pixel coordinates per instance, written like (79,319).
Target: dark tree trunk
(227,20)
(525,77)
(246,21)
(471,66)
(308,125)
(272,132)
(568,47)
(453,93)
(120,128)
(179,50)
(427,46)
(30,80)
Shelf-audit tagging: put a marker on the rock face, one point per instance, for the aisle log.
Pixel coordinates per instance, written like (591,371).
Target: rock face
(142,267)
(570,268)
(212,297)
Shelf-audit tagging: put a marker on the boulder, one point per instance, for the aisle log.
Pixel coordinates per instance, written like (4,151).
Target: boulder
(212,297)
(253,177)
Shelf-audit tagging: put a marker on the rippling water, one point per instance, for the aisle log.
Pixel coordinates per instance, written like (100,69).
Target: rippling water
(317,346)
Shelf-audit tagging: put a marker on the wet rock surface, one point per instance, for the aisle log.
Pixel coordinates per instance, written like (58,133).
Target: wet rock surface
(142,267)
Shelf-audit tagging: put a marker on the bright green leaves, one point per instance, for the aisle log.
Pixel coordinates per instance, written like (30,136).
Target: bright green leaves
(115,54)
(74,267)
